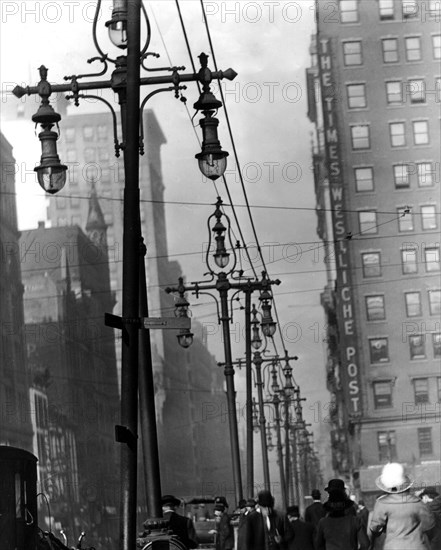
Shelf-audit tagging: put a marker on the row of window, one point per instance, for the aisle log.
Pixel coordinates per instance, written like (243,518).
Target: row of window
(387,444)
(379,348)
(376,305)
(402,175)
(397,92)
(368,223)
(390,49)
(90,154)
(361,135)
(389,9)
(89,133)
(372,267)
(383,392)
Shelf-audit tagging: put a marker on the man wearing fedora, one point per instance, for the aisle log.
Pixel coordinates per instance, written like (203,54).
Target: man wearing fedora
(264,528)
(182,527)
(339,530)
(303,532)
(405,519)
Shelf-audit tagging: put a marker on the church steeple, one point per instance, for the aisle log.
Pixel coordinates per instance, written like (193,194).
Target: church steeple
(96,227)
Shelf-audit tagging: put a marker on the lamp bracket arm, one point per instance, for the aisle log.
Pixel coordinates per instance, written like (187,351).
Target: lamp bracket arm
(149,33)
(141,110)
(74,78)
(94,35)
(76,97)
(198,292)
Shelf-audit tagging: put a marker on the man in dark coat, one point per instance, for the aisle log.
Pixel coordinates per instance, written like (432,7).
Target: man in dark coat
(224,529)
(303,532)
(264,528)
(315,511)
(433,500)
(180,526)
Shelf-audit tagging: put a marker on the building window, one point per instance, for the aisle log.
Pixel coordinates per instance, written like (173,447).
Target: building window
(409,261)
(71,155)
(436,343)
(364,179)
(413,48)
(438,89)
(390,50)
(397,133)
(103,154)
(387,446)
(360,137)
(434,7)
(405,219)
(394,92)
(375,309)
(434,302)
(89,154)
(431,258)
(352,53)
(417,346)
(425,441)
(367,221)
(421,390)
(416,88)
(76,220)
(102,131)
(349,11)
(425,173)
(371,262)
(436,46)
(428,217)
(88,133)
(420,132)
(386,8)
(401,176)
(379,350)
(60,202)
(413,304)
(69,134)
(410,9)
(356,96)
(382,394)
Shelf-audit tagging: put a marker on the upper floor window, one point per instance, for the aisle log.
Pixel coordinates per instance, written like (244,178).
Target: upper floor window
(386,8)
(367,220)
(356,96)
(417,90)
(425,174)
(387,446)
(382,394)
(413,48)
(425,441)
(360,137)
(420,132)
(436,46)
(410,8)
(349,11)
(428,217)
(421,390)
(405,219)
(371,262)
(352,53)
(434,7)
(413,304)
(434,302)
(88,133)
(364,179)
(375,308)
(436,343)
(379,350)
(69,134)
(417,346)
(397,134)
(431,258)
(390,50)
(102,131)
(401,175)
(394,92)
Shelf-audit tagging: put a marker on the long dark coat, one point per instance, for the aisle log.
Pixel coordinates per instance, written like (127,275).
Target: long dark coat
(225,533)
(303,535)
(183,528)
(255,534)
(406,520)
(314,513)
(341,532)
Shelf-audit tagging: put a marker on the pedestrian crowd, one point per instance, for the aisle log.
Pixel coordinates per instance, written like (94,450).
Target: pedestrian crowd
(401,519)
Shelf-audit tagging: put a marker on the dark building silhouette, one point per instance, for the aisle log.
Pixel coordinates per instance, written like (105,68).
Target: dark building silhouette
(15,411)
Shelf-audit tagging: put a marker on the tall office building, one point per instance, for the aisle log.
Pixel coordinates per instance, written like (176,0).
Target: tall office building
(374,97)
(15,410)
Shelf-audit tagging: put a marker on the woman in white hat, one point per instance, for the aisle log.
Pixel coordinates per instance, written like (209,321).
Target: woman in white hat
(399,513)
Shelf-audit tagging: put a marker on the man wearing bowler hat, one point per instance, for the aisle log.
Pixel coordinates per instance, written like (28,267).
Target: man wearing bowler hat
(339,485)
(182,527)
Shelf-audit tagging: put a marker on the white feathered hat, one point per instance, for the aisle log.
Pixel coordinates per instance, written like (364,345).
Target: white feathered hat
(393,479)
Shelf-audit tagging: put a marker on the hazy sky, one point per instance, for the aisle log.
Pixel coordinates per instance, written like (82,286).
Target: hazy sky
(267,43)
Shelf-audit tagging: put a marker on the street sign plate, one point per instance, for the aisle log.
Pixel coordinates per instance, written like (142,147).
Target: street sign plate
(165,322)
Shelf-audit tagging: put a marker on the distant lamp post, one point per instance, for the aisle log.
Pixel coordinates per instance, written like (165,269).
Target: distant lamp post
(51,174)
(185,336)
(268,325)
(212,160)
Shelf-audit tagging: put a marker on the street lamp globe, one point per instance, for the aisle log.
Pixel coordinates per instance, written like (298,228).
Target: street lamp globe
(118,24)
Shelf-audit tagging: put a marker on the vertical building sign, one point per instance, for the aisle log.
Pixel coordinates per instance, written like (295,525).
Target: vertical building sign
(344,299)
